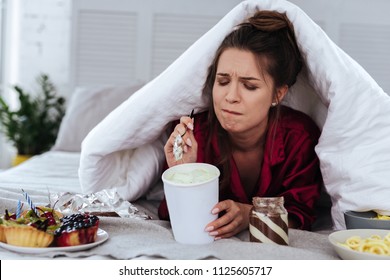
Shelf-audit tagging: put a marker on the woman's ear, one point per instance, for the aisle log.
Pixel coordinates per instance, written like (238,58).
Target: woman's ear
(280,93)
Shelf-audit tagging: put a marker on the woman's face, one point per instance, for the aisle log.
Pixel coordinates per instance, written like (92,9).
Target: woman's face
(242,93)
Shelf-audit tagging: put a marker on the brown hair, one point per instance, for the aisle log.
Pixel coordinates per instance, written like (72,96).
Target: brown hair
(270,37)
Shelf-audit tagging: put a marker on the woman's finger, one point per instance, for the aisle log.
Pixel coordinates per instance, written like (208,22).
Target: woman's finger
(232,222)
(223,206)
(180,129)
(187,122)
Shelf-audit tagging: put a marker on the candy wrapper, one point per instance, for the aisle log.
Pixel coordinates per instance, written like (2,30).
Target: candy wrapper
(104,203)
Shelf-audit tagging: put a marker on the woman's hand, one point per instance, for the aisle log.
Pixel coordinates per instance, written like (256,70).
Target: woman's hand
(234,220)
(189,145)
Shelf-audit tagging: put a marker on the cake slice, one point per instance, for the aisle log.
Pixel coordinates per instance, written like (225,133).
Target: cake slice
(77,229)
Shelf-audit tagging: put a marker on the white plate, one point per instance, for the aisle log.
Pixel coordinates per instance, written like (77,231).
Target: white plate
(347,254)
(101,237)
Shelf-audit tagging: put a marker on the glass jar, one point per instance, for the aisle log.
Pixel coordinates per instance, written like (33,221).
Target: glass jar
(268,221)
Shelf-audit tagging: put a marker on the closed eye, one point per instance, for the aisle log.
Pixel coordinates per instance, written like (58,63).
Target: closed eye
(223,82)
(250,87)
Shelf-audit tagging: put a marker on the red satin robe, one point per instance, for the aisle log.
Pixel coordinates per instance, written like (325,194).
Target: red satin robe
(290,166)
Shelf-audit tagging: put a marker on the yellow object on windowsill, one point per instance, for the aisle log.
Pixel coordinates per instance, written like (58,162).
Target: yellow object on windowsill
(19,159)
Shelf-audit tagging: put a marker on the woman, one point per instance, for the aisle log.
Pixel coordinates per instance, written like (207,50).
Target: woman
(261,147)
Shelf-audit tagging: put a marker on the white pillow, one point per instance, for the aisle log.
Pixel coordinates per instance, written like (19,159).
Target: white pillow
(87,107)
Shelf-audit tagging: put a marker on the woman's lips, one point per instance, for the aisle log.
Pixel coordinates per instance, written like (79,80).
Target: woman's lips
(230,112)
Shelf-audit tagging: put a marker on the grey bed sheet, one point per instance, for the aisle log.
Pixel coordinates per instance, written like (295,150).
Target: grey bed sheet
(131,238)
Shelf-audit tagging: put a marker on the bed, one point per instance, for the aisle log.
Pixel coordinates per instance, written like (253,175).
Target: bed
(111,140)
(139,235)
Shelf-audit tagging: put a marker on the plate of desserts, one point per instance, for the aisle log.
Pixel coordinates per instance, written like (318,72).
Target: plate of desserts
(43,229)
(101,237)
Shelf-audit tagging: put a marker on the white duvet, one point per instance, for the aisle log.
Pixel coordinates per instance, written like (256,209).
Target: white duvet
(125,150)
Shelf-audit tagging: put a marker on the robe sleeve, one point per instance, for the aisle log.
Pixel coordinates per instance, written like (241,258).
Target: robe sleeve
(302,182)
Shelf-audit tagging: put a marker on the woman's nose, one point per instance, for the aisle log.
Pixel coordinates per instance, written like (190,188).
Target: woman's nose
(232,94)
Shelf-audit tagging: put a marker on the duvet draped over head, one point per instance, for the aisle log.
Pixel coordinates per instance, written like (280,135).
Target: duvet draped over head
(125,150)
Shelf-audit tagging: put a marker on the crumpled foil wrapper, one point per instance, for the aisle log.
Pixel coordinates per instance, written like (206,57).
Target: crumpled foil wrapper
(103,203)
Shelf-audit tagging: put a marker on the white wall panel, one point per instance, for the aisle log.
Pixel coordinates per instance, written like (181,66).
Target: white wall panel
(120,41)
(132,40)
(369,44)
(173,34)
(361,28)
(106,47)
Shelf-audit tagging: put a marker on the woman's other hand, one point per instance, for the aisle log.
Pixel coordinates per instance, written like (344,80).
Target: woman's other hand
(235,219)
(189,145)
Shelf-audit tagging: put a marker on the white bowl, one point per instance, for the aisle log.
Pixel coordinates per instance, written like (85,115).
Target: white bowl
(341,236)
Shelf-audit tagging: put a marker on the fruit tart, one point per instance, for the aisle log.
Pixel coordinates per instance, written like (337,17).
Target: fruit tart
(30,229)
(2,235)
(77,229)
(44,212)
(27,236)
(3,222)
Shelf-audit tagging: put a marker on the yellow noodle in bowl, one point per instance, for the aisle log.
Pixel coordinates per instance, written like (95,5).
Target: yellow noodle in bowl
(361,244)
(383,217)
(373,244)
(353,242)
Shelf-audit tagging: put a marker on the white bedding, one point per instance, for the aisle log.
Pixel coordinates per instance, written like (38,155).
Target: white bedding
(125,149)
(56,171)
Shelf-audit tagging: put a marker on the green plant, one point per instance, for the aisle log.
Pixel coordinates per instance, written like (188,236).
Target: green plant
(34,126)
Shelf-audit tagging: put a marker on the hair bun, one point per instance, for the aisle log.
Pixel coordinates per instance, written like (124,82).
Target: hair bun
(270,21)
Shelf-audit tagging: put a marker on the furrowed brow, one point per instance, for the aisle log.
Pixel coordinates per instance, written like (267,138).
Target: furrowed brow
(223,74)
(250,79)
(241,78)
